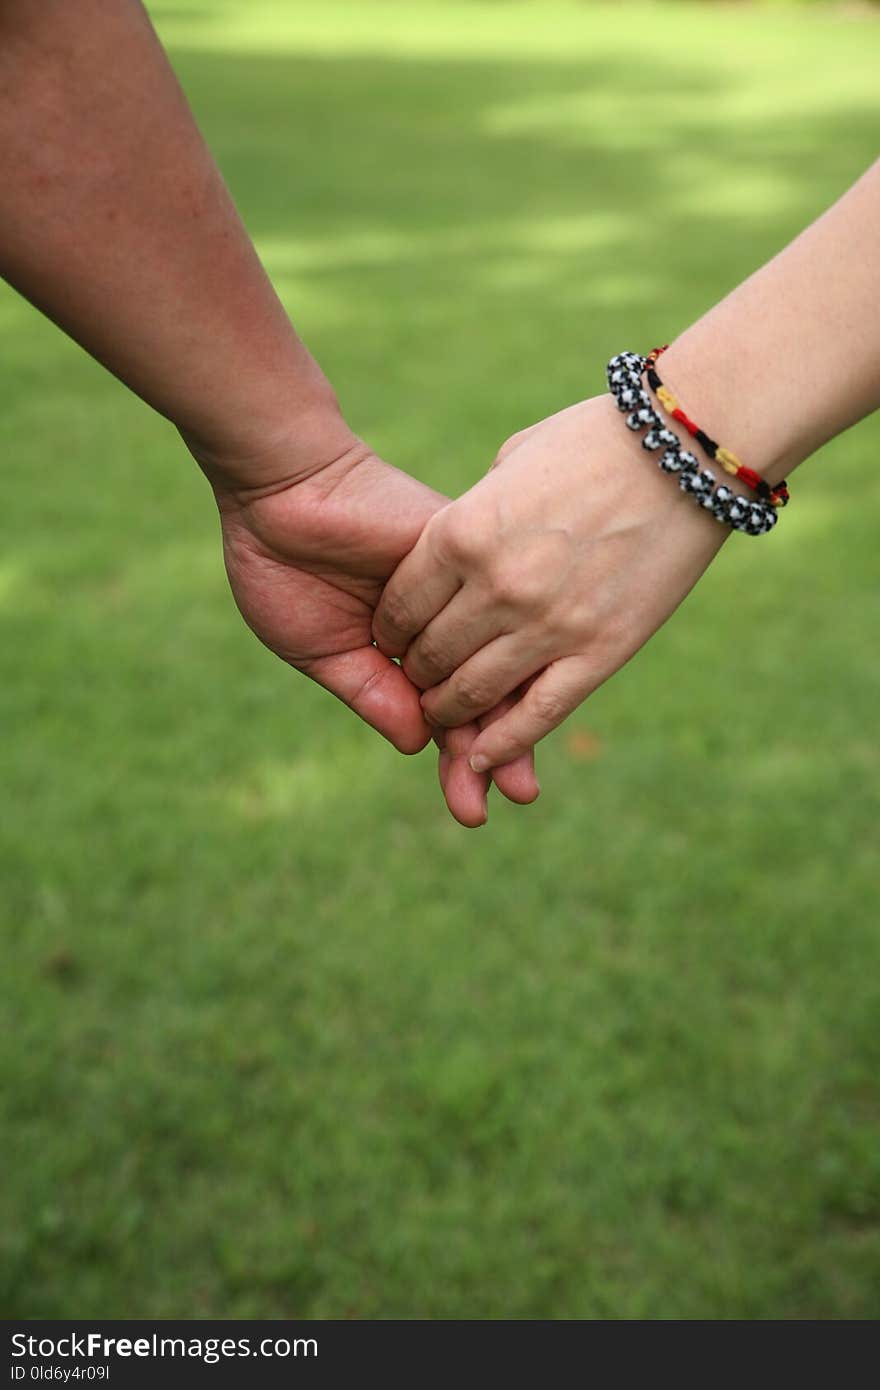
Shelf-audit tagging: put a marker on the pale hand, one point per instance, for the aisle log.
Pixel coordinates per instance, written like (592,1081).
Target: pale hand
(549,574)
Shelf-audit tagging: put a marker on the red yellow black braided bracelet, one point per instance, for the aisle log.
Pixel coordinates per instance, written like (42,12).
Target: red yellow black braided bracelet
(778,496)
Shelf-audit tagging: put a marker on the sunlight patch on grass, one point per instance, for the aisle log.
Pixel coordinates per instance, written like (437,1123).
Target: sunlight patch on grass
(624,115)
(367,247)
(557,30)
(374,247)
(287,789)
(349,26)
(13,583)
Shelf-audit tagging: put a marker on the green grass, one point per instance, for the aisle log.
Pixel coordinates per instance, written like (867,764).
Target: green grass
(278,1038)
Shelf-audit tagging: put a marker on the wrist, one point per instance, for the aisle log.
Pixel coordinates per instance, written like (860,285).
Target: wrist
(656,497)
(750,410)
(273,449)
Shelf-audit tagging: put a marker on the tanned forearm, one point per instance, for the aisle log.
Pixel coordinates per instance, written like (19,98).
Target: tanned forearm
(115,221)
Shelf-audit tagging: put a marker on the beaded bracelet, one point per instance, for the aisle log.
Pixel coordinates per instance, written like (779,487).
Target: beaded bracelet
(778,495)
(624,374)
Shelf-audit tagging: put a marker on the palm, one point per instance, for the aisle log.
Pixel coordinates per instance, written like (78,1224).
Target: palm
(307,566)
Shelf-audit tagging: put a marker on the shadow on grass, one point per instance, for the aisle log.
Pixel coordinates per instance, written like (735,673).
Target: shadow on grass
(545,211)
(317,146)
(427,192)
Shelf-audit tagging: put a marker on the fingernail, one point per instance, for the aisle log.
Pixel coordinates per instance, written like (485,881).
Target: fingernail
(479,762)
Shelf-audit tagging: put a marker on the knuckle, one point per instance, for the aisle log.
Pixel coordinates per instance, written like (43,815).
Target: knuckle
(428,651)
(549,706)
(531,587)
(519,585)
(576,626)
(424,658)
(472,695)
(508,447)
(395,610)
(452,535)
(506,584)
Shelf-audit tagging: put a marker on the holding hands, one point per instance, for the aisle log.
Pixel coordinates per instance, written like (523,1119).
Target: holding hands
(307,559)
(488,619)
(505,608)
(548,576)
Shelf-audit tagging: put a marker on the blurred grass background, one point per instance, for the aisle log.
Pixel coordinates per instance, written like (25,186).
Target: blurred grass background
(279,1039)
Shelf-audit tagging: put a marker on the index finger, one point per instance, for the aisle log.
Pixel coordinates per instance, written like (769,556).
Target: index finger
(417,591)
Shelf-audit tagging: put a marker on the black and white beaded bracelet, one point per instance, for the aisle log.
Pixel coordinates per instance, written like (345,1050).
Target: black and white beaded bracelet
(624,375)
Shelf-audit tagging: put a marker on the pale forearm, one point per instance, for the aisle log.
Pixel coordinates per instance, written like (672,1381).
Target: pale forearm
(115,221)
(792,357)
